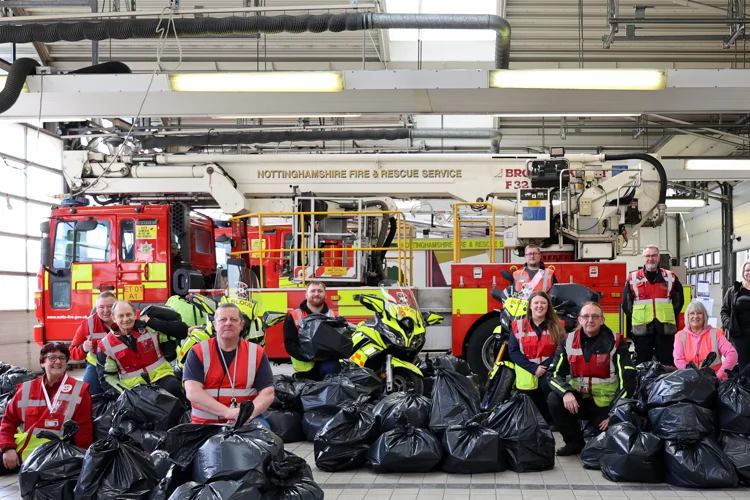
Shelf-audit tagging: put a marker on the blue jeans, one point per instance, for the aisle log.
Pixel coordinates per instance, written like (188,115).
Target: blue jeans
(91,378)
(330,367)
(262,421)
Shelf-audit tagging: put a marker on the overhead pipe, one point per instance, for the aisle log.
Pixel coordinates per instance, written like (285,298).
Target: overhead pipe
(661,205)
(123,29)
(225,139)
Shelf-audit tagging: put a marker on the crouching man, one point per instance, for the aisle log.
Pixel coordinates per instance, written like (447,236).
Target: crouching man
(223,371)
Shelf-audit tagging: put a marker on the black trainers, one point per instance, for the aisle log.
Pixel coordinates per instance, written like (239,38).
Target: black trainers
(570,449)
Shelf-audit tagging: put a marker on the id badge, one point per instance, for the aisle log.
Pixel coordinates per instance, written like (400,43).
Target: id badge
(51,424)
(233,403)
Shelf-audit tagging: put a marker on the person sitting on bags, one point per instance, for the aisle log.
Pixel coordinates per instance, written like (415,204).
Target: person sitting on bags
(314,303)
(45,403)
(531,347)
(698,339)
(131,355)
(591,369)
(225,370)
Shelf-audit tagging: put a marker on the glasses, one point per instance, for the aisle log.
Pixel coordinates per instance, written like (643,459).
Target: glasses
(652,256)
(532,253)
(54,358)
(595,317)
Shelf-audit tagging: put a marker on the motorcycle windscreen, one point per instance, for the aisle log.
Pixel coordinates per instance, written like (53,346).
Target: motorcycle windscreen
(401,299)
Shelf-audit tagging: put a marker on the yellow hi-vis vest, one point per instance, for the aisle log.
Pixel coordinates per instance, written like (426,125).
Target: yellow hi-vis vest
(652,302)
(298,364)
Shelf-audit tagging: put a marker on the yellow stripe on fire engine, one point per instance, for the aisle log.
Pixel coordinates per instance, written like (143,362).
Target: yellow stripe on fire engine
(470,301)
(612,320)
(347,306)
(152,285)
(274,301)
(157,271)
(81,276)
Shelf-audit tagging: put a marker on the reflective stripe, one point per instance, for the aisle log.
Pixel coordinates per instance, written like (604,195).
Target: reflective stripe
(197,412)
(143,338)
(645,309)
(72,398)
(714,345)
(237,392)
(585,384)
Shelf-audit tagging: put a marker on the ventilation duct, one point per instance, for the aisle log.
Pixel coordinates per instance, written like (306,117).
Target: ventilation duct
(122,29)
(229,139)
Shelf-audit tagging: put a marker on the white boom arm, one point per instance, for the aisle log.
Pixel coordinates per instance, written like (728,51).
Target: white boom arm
(266,183)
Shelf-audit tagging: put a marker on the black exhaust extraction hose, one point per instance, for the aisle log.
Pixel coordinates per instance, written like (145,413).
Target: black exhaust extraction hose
(648,159)
(105,68)
(123,29)
(19,70)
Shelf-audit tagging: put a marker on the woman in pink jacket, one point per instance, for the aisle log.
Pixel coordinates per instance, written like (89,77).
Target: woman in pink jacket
(698,339)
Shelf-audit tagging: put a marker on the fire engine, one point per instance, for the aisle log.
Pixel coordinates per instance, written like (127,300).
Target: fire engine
(344,222)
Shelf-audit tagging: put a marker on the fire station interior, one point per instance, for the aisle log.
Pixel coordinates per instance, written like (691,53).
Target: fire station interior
(427,154)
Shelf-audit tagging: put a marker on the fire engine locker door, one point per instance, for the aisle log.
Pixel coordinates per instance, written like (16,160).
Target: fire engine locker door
(83,265)
(143,248)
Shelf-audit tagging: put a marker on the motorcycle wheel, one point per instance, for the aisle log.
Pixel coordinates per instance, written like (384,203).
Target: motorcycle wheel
(481,350)
(405,380)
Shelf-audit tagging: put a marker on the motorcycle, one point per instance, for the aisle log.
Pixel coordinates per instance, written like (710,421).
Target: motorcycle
(567,300)
(390,342)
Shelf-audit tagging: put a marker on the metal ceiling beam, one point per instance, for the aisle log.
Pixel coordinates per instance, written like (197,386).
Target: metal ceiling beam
(379,92)
(706,129)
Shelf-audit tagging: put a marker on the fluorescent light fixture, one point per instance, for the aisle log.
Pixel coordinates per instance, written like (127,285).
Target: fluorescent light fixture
(686,203)
(579,79)
(565,115)
(240,117)
(727,164)
(276,81)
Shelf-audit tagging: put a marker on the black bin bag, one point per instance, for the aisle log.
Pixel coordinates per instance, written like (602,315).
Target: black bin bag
(682,421)
(324,337)
(13,376)
(103,409)
(691,385)
(631,455)
(291,479)
(239,453)
(451,362)
(628,411)
(116,467)
(52,470)
(405,448)
(150,408)
(344,441)
(288,392)
(524,434)
(646,374)
(287,424)
(472,448)
(364,379)
(313,422)
(737,448)
(734,404)
(592,452)
(329,395)
(218,490)
(455,400)
(415,407)
(698,464)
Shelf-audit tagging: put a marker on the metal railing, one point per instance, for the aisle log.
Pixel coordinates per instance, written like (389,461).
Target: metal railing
(457,228)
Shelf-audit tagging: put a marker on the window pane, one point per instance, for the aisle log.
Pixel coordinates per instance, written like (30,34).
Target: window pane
(33,256)
(36,214)
(12,216)
(90,246)
(13,296)
(127,240)
(14,254)
(202,241)
(43,185)
(14,177)
(12,140)
(717,257)
(47,153)
(32,289)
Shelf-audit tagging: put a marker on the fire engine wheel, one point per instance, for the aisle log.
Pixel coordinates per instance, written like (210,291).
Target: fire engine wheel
(405,380)
(482,349)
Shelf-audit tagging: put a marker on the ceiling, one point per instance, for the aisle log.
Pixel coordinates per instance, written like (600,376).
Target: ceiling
(545,33)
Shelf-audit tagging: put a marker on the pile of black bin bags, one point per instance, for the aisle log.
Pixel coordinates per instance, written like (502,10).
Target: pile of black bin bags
(351,423)
(683,427)
(10,377)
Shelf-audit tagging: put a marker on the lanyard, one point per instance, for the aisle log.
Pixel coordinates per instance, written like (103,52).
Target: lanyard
(55,404)
(233,403)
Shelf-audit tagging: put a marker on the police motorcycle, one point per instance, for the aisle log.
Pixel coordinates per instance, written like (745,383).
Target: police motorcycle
(241,289)
(390,342)
(567,300)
